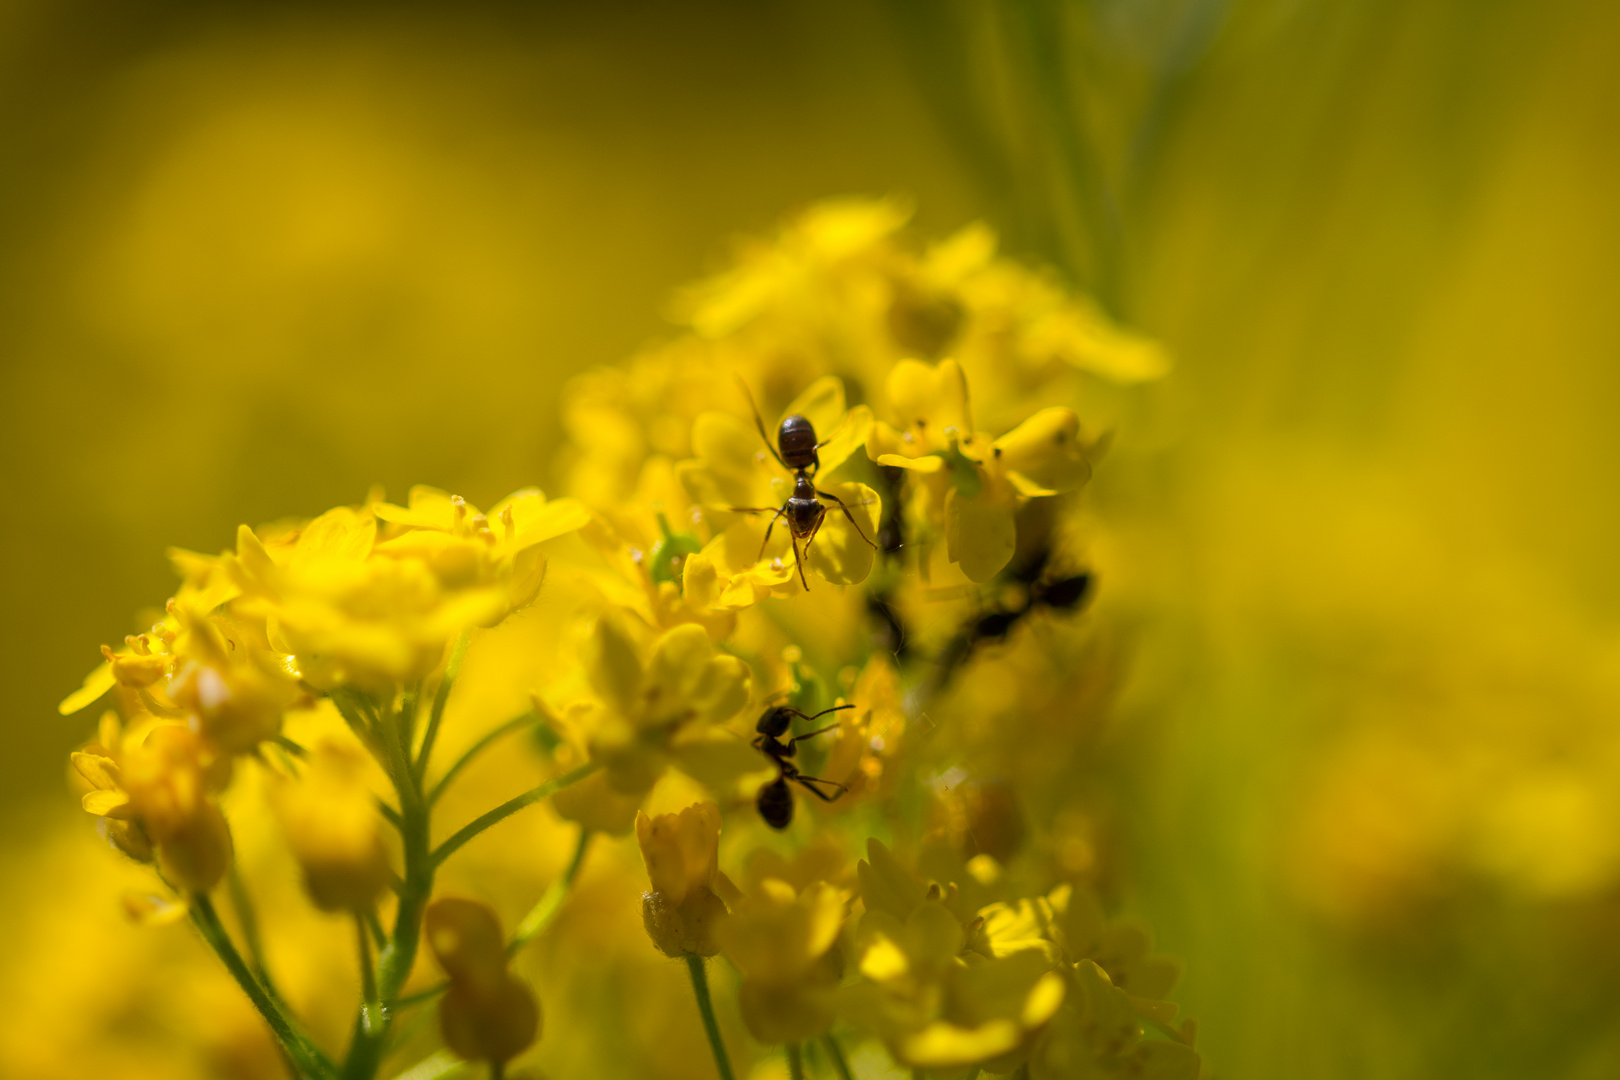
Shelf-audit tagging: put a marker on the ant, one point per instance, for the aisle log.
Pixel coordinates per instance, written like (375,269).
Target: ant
(775,800)
(796,452)
(1062,594)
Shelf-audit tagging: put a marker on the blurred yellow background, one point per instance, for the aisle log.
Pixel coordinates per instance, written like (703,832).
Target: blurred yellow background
(257,258)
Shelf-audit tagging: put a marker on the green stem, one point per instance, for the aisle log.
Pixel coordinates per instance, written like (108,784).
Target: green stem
(452,668)
(389,814)
(374,924)
(836,1052)
(305,1058)
(352,717)
(372,1017)
(408,709)
(242,903)
(795,1062)
(394,962)
(700,989)
(540,916)
(291,747)
(477,748)
(507,809)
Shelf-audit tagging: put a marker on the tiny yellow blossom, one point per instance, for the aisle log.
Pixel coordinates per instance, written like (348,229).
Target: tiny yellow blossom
(973,482)
(684,907)
(783,943)
(935,1001)
(154,784)
(464,547)
(657,701)
(1016,316)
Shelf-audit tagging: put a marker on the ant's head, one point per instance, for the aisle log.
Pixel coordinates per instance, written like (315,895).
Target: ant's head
(797,440)
(775,721)
(1068,593)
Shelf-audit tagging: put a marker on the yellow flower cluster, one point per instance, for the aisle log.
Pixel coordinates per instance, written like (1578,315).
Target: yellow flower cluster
(851,623)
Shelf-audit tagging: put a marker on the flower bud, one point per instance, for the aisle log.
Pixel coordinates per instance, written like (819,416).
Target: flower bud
(783,943)
(235,707)
(681,852)
(333,829)
(486,1015)
(167,778)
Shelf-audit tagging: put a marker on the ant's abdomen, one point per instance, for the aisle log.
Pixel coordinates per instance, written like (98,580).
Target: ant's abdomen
(797,440)
(775,804)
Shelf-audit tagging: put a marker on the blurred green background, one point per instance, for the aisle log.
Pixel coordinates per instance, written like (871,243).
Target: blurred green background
(255,258)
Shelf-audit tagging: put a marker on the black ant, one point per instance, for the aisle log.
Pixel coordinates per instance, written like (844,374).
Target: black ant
(775,800)
(1056,594)
(796,452)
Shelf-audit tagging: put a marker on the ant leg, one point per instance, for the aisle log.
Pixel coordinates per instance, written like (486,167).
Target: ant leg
(759,422)
(808,783)
(810,735)
(813,532)
(842,505)
(818,716)
(768,529)
(801,564)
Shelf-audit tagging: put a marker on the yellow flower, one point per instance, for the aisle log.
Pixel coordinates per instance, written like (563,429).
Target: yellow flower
(616,418)
(736,469)
(800,279)
(466,549)
(1025,319)
(783,942)
(227,679)
(972,482)
(487,1014)
(356,611)
(684,907)
(153,785)
(201,662)
(1111,962)
(651,540)
(333,828)
(936,1010)
(935,1003)
(658,701)
(1096,1030)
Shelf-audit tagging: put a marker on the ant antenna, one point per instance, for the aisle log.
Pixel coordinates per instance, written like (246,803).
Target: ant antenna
(759,421)
(824,712)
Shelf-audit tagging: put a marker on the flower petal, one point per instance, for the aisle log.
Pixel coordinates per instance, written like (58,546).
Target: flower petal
(822,403)
(845,439)
(96,683)
(931,399)
(980,534)
(534,520)
(613,663)
(841,554)
(1044,454)
(104,803)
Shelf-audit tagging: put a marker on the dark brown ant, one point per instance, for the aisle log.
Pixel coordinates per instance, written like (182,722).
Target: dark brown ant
(775,800)
(796,451)
(1057,594)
